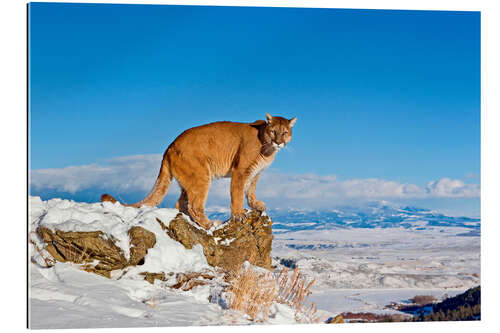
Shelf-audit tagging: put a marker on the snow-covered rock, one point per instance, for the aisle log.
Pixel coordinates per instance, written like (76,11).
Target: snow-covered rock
(154,266)
(113,235)
(231,244)
(106,237)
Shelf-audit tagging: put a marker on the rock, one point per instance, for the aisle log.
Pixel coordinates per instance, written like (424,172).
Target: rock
(151,277)
(336,320)
(87,247)
(184,281)
(232,244)
(187,281)
(141,240)
(227,247)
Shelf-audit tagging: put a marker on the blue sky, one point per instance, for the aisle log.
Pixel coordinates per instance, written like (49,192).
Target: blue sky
(389,95)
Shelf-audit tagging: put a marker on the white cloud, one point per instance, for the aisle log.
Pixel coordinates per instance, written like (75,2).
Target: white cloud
(138,173)
(452,188)
(330,187)
(129,173)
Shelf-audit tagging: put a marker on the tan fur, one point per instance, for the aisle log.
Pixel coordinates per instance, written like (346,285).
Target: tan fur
(221,149)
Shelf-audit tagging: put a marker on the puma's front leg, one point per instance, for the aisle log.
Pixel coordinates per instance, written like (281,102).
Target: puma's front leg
(238,180)
(252,200)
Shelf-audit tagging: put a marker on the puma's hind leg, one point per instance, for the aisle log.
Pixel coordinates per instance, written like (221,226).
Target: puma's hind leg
(182,203)
(194,180)
(252,200)
(193,197)
(197,197)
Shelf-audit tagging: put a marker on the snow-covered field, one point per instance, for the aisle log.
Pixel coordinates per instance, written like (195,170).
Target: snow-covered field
(383,258)
(392,255)
(363,270)
(361,260)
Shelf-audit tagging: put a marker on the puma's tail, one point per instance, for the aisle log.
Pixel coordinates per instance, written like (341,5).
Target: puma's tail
(157,193)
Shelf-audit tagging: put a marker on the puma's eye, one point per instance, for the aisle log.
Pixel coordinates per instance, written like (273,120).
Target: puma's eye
(285,132)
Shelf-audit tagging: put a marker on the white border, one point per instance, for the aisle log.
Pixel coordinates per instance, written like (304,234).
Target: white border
(13,152)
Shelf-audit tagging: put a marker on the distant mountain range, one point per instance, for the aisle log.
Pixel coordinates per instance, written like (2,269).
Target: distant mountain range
(374,215)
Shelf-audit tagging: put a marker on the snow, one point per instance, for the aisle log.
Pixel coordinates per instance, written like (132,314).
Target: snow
(64,296)
(334,302)
(365,269)
(383,258)
(115,220)
(361,260)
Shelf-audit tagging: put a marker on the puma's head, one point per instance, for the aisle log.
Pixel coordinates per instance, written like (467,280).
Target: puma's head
(279,130)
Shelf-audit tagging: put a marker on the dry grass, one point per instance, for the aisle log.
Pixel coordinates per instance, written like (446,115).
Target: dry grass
(294,291)
(253,293)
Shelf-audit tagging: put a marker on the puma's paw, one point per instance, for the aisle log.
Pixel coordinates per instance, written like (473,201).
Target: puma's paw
(238,217)
(205,224)
(259,206)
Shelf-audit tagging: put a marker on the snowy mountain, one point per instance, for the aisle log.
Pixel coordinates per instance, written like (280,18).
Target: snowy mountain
(374,215)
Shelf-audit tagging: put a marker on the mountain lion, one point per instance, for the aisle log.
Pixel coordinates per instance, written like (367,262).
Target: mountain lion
(221,149)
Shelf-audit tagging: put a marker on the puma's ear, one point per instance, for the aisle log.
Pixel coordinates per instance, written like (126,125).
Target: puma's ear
(292,121)
(268,117)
